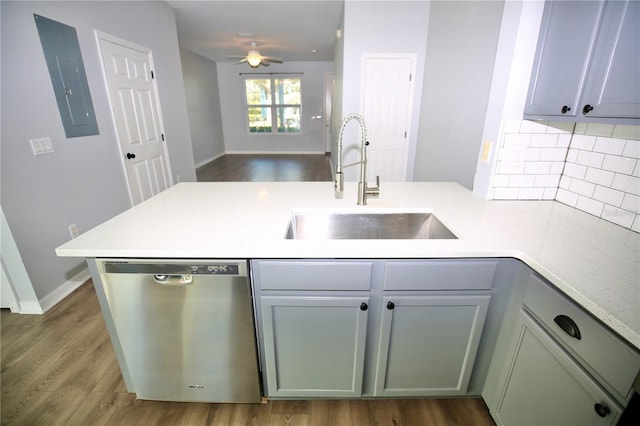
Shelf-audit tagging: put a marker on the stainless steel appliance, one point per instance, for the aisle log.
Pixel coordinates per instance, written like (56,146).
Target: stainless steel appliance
(184,330)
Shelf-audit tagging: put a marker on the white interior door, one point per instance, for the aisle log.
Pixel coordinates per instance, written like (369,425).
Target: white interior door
(135,108)
(387,95)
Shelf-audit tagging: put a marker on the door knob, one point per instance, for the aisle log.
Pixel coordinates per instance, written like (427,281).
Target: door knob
(130,156)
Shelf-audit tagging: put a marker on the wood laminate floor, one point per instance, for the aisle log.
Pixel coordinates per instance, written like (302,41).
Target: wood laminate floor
(266,168)
(59,368)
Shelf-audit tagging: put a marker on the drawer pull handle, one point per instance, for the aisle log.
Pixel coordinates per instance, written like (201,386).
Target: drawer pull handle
(568,325)
(602,410)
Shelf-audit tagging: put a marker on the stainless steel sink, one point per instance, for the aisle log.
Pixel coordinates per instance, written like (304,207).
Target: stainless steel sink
(367,226)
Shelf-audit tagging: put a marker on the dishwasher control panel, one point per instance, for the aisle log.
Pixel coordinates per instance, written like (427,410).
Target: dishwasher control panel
(163,267)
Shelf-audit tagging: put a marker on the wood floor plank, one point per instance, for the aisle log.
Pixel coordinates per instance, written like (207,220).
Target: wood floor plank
(59,368)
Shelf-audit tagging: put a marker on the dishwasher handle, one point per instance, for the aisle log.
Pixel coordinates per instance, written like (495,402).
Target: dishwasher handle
(173,280)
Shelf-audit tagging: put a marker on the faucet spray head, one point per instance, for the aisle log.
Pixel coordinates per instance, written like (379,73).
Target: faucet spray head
(339,185)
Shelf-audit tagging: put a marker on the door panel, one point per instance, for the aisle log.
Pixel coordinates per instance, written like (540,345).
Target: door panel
(387,97)
(136,113)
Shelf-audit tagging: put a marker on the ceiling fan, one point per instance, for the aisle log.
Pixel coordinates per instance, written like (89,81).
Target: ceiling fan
(255,59)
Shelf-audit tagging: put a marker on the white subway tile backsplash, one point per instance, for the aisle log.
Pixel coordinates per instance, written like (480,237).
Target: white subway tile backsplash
(528,126)
(575,170)
(517,139)
(599,176)
(567,197)
(583,142)
(565,182)
(547,140)
(582,188)
(553,154)
(609,196)
(626,183)
(556,168)
(564,141)
(619,164)
(549,193)
(619,216)
(505,193)
(546,181)
(623,131)
(572,155)
(530,194)
(588,158)
(609,145)
(631,149)
(632,203)
(590,205)
(521,181)
(590,166)
(537,168)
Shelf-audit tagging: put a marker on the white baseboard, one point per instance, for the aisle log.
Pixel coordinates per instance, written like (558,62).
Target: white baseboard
(57,295)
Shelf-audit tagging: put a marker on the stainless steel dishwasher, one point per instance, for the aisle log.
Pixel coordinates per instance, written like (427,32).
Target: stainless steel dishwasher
(185,329)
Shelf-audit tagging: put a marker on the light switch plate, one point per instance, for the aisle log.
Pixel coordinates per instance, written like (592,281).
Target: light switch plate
(41,146)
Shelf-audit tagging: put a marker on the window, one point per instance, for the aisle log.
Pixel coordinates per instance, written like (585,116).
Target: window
(273,105)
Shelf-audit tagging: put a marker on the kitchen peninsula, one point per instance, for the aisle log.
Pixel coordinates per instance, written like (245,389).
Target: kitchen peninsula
(526,287)
(594,262)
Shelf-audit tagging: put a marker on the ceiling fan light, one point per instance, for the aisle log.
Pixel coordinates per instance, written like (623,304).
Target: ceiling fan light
(254,58)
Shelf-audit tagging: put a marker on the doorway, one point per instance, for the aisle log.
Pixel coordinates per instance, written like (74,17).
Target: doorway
(386,103)
(135,107)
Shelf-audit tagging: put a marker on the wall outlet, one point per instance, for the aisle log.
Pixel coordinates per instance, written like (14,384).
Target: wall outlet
(486,151)
(73,230)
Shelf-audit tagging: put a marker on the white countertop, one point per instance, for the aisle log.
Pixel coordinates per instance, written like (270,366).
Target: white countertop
(593,261)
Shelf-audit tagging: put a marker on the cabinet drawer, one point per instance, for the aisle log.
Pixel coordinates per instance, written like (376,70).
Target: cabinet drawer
(312,275)
(452,274)
(606,356)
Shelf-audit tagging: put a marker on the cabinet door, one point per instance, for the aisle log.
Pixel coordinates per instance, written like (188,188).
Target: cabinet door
(314,346)
(566,40)
(428,344)
(613,86)
(543,385)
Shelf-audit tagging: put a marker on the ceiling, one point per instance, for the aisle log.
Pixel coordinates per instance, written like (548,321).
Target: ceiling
(290,29)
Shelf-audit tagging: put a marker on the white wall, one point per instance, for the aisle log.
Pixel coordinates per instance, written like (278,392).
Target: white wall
(236,136)
(82,182)
(379,27)
(203,106)
(461,48)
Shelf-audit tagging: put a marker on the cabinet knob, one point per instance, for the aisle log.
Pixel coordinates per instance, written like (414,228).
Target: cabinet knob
(568,326)
(565,109)
(390,305)
(586,109)
(130,156)
(364,306)
(602,409)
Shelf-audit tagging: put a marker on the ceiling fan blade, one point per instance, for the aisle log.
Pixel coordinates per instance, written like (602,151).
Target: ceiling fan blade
(264,63)
(243,60)
(273,59)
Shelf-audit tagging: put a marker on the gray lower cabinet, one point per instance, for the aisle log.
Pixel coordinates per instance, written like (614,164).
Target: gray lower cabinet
(543,385)
(330,328)
(428,344)
(314,346)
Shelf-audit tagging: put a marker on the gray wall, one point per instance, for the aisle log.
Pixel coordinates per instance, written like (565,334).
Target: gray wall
(460,56)
(236,136)
(82,182)
(393,27)
(203,106)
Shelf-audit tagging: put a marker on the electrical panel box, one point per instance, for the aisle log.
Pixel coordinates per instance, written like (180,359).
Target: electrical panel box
(66,69)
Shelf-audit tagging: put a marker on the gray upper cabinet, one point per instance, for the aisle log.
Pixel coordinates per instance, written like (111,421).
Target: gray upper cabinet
(587,62)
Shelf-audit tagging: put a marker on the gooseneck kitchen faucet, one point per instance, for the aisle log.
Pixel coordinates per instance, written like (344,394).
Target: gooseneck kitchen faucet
(364,191)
